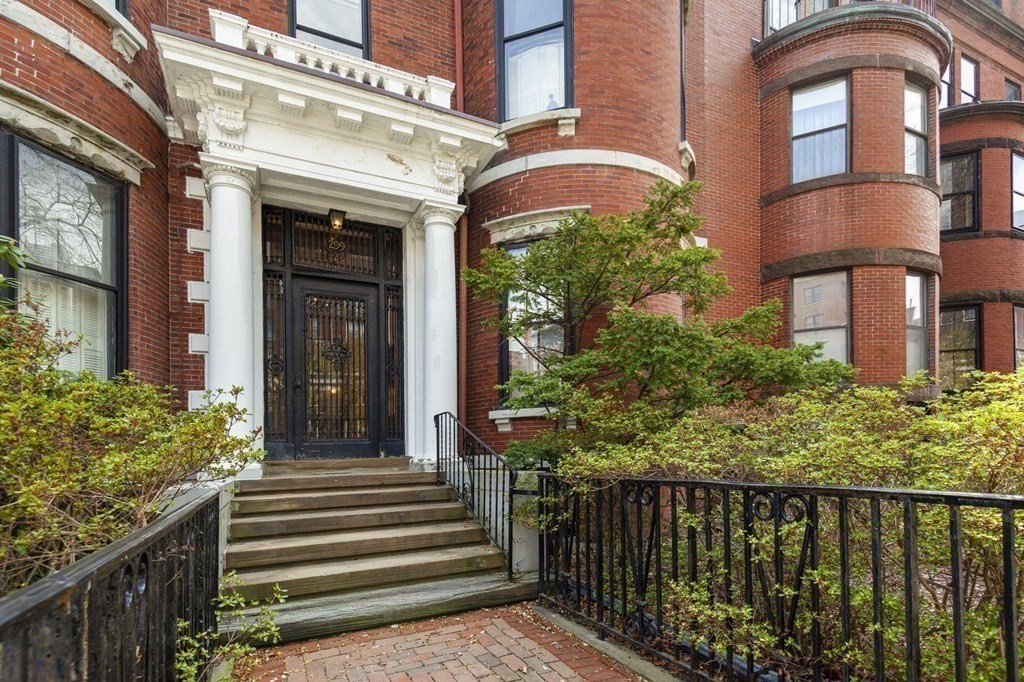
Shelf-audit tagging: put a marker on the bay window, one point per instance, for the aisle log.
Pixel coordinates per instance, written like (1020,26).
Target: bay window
(959,178)
(340,25)
(820,118)
(821,313)
(535,56)
(917,323)
(70,222)
(946,87)
(959,346)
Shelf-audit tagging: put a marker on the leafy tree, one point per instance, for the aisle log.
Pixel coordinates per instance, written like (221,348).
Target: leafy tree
(13,256)
(625,368)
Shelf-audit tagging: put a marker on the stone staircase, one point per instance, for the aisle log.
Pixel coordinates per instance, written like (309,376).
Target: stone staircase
(360,543)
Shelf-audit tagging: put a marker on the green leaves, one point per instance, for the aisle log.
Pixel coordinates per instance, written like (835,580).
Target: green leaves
(84,462)
(630,294)
(13,256)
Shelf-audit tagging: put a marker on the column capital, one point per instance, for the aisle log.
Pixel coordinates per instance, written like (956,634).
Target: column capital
(217,171)
(435,212)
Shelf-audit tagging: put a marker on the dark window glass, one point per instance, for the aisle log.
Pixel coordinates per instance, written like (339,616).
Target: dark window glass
(959,176)
(968,80)
(1018,191)
(534,56)
(946,87)
(821,313)
(915,135)
(820,116)
(1012,91)
(69,220)
(917,323)
(334,24)
(959,344)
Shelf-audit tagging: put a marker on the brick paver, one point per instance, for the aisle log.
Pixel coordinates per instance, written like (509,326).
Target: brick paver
(495,645)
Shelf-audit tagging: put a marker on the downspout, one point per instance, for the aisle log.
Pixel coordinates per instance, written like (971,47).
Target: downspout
(460,105)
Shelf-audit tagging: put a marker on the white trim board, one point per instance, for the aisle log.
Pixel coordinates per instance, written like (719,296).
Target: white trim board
(576,157)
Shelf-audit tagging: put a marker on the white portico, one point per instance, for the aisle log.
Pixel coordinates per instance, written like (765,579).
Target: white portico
(286,124)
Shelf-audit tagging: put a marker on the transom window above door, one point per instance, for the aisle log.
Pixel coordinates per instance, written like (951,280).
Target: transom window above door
(341,25)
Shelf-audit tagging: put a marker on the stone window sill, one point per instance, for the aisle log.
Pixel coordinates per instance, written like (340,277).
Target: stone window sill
(503,418)
(126,39)
(565,118)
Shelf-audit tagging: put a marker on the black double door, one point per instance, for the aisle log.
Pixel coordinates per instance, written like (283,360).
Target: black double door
(333,338)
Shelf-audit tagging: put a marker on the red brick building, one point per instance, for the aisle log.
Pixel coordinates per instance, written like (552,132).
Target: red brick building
(277,194)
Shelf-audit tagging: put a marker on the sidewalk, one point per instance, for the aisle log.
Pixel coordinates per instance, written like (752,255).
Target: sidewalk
(503,644)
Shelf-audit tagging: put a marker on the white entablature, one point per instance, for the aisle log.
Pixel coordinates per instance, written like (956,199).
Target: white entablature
(321,116)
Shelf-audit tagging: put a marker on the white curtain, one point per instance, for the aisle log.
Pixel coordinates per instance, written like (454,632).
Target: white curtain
(535,74)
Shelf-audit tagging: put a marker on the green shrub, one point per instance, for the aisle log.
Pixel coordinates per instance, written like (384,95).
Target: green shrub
(861,436)
(83,461)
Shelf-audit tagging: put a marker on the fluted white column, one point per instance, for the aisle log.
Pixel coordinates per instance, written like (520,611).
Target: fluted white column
(230,318)
(440,339)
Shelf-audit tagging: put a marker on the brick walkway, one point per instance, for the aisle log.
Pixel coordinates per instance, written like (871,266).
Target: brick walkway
(510,643)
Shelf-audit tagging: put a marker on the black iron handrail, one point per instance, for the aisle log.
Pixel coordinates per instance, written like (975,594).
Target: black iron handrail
(881,573)
(113,615)
(483,480)
(778,14)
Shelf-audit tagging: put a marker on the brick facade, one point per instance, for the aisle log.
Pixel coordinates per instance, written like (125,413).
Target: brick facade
(875,221)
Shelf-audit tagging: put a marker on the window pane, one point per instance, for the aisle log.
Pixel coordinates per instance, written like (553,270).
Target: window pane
(79,310)
(959,329)
(336,45)
(342,18)
(917,351)
(916,154)
(535,74)
(818,155)
(957,174)
(1018,173)
(968,80)
(1018,334)
(526,15)
(1012,91)
(834,340)
(1018,210)
(915,301)
(947,79)
(957,213)
(821,301)
(66,216)
(915,108)
(818,107)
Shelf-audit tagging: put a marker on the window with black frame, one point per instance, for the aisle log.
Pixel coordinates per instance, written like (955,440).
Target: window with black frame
(821,313)
(820,118)
(527,352)
(1012,91)
(70,221)
(535,56)
(959,346)
(946,87)
(1018,190)
(959,178)
(915,136)
(336,24)
(1018,336)
(968,80)
(917,323)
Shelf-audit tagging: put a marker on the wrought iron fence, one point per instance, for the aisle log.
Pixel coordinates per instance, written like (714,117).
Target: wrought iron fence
(113,615)
(759,582)
(482,480)
(778,14)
